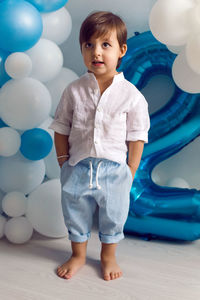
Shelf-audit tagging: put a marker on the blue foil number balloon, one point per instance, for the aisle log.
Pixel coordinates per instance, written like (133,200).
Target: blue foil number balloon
(36,143)
(20,25)
(157,211)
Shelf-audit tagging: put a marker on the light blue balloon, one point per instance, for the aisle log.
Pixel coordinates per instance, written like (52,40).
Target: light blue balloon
(36,143)
(20,25)
(157,211)
(3,75)
(48,5)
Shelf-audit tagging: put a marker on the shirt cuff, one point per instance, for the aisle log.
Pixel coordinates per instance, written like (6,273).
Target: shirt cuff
(137,136)
(60,128)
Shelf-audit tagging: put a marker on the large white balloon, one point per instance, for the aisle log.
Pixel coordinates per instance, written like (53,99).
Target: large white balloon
(14,204)
(185,78)
(20,174)
(51,165)
(10,141)
(18,65)
(175,49)
(44,209)
(18,230)
(2,225)
(194,18)
(57,25)
(58,84)
(47,60)
(45,125)
(168,21)
(193,52)
(24,103)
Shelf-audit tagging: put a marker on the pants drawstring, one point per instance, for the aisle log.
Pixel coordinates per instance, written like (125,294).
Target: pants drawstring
(91,171)
(97,174)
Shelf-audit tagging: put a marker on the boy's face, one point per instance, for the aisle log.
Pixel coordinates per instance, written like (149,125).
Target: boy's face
(101,54)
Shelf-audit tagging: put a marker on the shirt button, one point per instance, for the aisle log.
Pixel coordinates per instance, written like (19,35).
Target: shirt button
(98,109)
(95,142)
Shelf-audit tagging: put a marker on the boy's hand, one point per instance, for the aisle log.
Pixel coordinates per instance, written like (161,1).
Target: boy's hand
(61,161)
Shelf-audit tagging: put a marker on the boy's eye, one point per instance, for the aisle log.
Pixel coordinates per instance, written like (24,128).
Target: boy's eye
(106,45)
(88,45)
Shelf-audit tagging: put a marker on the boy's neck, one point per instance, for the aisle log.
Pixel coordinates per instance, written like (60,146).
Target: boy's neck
(104,81)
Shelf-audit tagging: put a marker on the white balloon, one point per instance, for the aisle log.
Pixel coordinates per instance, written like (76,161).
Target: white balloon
(51,165)
(20,174)
(168,21)
(57,25)
(45,125)
(2,225)
(193,53)
(18,230)
(44,209)
(177,182)
(58,84)
(10,141)
(194,18)
(18,65)
(24,103)
(184,77)
(14,204)
(47,60)
(175,49)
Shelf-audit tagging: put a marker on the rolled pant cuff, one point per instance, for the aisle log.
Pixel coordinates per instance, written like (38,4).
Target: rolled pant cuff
(79,238)
(111,239)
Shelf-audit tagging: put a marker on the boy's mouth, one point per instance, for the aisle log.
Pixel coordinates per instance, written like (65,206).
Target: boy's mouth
(97,63)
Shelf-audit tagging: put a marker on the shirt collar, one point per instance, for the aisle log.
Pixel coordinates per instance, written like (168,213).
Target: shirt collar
(117,78)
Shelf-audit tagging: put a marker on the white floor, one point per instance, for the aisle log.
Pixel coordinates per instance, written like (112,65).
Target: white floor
(153,270)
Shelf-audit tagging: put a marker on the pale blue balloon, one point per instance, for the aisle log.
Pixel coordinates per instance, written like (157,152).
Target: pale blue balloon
(48,5)
(20,25)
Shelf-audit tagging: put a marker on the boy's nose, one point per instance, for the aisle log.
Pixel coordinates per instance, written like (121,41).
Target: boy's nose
(96,51)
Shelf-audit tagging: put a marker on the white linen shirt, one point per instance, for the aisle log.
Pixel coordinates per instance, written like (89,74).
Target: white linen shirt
(99,125)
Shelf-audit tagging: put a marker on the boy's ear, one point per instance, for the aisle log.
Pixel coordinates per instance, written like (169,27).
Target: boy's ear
(123,50)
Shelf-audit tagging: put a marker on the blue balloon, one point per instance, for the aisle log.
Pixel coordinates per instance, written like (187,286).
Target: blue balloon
(20,25)
(3,75)
(48,5)
(157,211)
(36,144)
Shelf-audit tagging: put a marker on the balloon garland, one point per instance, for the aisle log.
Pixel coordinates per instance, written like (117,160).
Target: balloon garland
(155,210)
(32,79)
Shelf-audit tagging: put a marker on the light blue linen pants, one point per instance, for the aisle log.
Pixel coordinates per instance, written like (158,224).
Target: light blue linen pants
(90,183)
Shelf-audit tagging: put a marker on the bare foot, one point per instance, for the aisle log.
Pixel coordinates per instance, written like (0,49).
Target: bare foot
(110,268)
(70,267)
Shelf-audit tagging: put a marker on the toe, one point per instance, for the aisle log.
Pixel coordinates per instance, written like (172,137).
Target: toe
(113,275)
(106,276)
(68,275)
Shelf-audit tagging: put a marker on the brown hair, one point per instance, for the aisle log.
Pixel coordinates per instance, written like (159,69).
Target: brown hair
(99,23)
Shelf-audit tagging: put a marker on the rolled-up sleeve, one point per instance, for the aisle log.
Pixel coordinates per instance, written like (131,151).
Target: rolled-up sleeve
(138,121)
(63,115)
